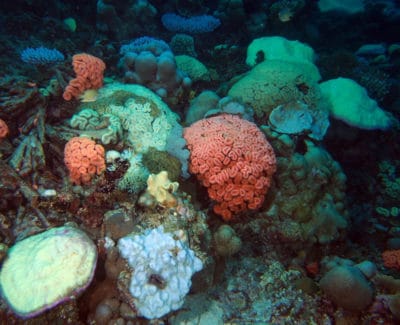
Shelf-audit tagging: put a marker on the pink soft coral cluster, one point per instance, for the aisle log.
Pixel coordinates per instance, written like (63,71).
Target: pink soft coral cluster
(84,159)
(89,72)
(232,158)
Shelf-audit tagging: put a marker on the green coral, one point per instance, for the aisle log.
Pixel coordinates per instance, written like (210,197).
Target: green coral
(136,176)
(156,161)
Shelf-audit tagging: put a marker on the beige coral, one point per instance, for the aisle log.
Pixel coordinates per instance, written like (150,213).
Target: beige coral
(160,191)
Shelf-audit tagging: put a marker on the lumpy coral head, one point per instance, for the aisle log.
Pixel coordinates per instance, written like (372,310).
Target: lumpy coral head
(89,72)
(84,159)
(233,159)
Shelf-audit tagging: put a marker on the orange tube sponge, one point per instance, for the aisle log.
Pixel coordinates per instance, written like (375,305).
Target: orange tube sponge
(84,159)
(89,72)
(233,159)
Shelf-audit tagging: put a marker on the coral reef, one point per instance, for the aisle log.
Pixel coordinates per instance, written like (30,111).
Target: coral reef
(279,117)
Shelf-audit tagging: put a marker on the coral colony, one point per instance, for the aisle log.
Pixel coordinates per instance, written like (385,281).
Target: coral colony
(208,162)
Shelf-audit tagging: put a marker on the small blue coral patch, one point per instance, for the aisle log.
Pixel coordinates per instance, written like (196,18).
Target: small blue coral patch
(41,56)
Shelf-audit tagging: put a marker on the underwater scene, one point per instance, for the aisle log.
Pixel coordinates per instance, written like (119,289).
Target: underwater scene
(200,162)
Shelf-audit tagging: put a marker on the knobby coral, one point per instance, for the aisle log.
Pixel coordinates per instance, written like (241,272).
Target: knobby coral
(232,158)
(89,75)
(84,159)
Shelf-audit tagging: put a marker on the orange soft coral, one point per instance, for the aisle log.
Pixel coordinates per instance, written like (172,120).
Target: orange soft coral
(84,159)
(391,259)
(232,158)
(3,129)
(89,75)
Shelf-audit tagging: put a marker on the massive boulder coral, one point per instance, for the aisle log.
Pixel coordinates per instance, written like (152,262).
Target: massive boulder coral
(279,48)
(350,103)
(232,158)
(309,193)
(150,62)
(275,82)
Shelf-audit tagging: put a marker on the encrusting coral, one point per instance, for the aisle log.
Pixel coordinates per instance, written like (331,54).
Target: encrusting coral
(232,158)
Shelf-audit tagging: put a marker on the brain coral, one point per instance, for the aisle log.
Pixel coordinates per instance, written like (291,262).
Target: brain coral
(84,159)
(232,158)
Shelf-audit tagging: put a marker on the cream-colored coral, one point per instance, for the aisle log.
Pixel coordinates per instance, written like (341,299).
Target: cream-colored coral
(160,191)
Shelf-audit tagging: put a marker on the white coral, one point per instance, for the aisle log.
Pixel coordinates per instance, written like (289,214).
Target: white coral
(162,270)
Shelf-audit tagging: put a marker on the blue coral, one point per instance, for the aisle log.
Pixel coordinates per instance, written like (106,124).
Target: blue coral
(192,25)
(41,56)
(145,43)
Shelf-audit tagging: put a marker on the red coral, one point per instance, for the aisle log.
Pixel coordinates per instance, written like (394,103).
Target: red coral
(391,259)
(84,159)
(89,75)
(232,158)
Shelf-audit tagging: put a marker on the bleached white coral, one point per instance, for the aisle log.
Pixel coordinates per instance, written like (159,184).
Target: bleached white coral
(162,269)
